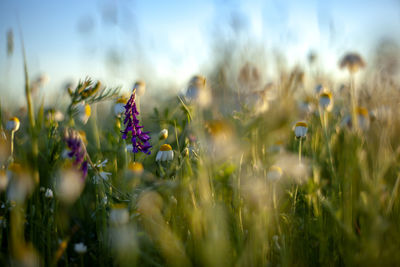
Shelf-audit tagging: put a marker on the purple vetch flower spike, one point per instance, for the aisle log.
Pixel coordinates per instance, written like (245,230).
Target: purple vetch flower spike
(140,139)
(77,150)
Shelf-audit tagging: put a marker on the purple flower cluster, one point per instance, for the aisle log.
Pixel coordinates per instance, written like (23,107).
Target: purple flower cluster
(140,139)
(77,150)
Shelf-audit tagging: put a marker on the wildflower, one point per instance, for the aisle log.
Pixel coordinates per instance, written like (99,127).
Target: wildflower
(140,88)
(306,106)
(300,129)
(84,112)
(140,139)
(198,92)
(163,134)
(260,99)
(136,167)
(119,214)
(352,61)
(80,248)
(326,101)
(13,124)
(48,193)
(69,185)
(293,170)
(77,150)
(221,140)
(21,184)
(55,115)
(319,89)
(119,106)
(274,173)
(101,164)
(277,147)
(165,153)
(362,118)
(101,176)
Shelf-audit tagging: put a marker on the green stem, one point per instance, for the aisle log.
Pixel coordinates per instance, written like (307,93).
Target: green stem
(12,146)
(301,138)
(353,97)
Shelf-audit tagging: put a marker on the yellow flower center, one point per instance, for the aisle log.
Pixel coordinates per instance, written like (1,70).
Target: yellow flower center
(362,111)
(118,206)
(14,119)
(328,95)
(88,110)
(276,169)
(301,123)
(136,166)
(15,167)
(165,147)
(122,100)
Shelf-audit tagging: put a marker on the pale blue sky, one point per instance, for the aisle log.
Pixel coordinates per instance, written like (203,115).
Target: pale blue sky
(121,41)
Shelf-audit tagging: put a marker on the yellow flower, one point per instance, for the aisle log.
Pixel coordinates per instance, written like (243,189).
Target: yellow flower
(136,167)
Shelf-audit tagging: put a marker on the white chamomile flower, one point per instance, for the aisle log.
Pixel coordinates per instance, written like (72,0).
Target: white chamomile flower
(163,134)
(58,116)
(48,193)
(119,214)
(119,106)
(274,173)
(319,89)
(84,112)
(80,248)
(326,101)
(165,153)
(300,129)
(105,175)
(198,92)
(13,124)
(102,164)
(362,117)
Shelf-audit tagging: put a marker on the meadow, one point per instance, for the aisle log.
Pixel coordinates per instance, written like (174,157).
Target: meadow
(234,171)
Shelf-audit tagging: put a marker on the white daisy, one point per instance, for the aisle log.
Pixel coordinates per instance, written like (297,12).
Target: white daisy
(165,153)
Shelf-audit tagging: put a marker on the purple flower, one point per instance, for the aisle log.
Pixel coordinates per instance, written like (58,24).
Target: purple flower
(77,150)
(140,139)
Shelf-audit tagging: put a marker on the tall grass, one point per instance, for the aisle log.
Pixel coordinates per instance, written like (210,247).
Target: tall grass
(214,203)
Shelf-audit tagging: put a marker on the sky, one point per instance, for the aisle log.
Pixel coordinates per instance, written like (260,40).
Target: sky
(120,41)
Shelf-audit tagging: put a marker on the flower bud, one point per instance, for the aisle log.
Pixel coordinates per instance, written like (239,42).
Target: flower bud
(163,134)
(13,124)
